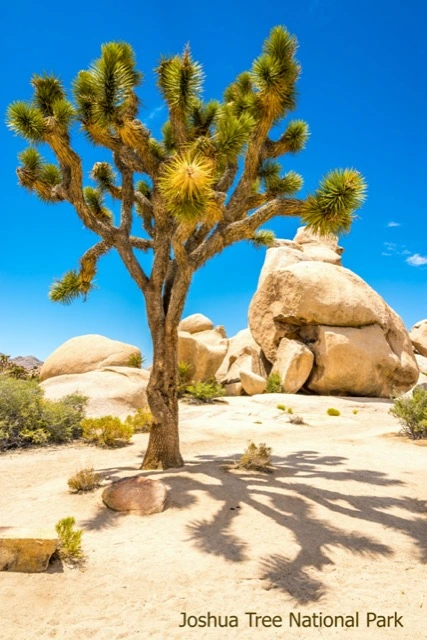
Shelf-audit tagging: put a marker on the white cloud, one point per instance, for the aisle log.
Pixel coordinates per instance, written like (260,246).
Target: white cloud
(416,260)
(393,224)
(155,112)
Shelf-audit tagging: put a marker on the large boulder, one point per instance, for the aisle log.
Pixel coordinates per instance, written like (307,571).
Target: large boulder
(418,335)
(204,351)
(307,293)
(117,391)
(252,384)
(354,361)
(317,303)
(87,353)
(137,495)
(26,550)
(195,323)
(294,362)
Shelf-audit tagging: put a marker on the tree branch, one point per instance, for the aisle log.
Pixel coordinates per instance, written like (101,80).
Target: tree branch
(71,169)
(141,243)
(136,136)
(226,235)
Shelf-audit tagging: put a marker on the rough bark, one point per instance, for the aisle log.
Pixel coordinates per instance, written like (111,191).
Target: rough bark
(164,313)
(162,393)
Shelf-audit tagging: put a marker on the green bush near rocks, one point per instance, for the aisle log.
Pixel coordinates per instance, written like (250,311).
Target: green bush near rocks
(107,431)
(27,418)
(70,541)
(141,421)
(274,383)
(204,392)
(412,413)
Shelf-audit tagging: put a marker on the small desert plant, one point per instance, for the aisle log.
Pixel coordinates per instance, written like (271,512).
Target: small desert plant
(255,458)
(290,410)
(412,413)
(333,412)
(26,417)
(136,360)
(204,391)
(185,373)
(281,407)
(296,420)
(70,540)
(141,421)
(355,412)
(274,383)
(108,431)
(84,480)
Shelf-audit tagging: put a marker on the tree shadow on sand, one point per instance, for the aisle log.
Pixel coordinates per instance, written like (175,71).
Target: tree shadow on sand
(291,503)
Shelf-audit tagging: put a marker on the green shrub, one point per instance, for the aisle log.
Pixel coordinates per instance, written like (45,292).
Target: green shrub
(11,369)
(355,412)
(255,458)
(333,412)
(136,360)
(185,373)
(26,417)
(141,421)
(281,407)
(108,431)
(70,540)
(412,413)
(204,391)
(290,410)
(274,383)
(84,480)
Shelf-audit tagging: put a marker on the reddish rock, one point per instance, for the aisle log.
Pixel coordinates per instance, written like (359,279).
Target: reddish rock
(136,495)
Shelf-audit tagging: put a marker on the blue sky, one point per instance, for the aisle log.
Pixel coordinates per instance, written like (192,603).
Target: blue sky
(362,91)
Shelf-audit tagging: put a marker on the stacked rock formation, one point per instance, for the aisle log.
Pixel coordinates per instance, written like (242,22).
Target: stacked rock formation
(324,329)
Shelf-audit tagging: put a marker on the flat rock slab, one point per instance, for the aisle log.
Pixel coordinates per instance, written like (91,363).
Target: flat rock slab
(136,495)
(26,550)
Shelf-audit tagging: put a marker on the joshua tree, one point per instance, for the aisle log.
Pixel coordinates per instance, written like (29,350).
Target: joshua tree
(212,180)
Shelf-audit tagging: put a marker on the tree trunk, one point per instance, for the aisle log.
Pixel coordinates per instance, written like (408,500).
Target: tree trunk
(162,393)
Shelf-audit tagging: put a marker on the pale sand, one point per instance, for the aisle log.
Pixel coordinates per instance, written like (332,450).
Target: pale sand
(339,527)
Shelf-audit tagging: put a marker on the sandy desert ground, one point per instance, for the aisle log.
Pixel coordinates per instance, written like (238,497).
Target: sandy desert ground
(339,528)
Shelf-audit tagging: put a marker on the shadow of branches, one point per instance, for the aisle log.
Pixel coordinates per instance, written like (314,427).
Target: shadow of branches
(290,498)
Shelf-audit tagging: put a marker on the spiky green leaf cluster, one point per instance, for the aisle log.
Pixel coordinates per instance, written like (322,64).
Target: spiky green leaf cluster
(263,238)
(275,73)
(95,200)
(186,186)
(296,136)
(241,95)
(49,107)
(144,188)
(203,117)
(105,93)
(68,289)
(232,132)
(331,208)
(287,185)
(180,81)
(104,174)
(26,120)
(38,176)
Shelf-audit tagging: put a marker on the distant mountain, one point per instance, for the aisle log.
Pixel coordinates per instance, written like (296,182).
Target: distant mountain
(28,362)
